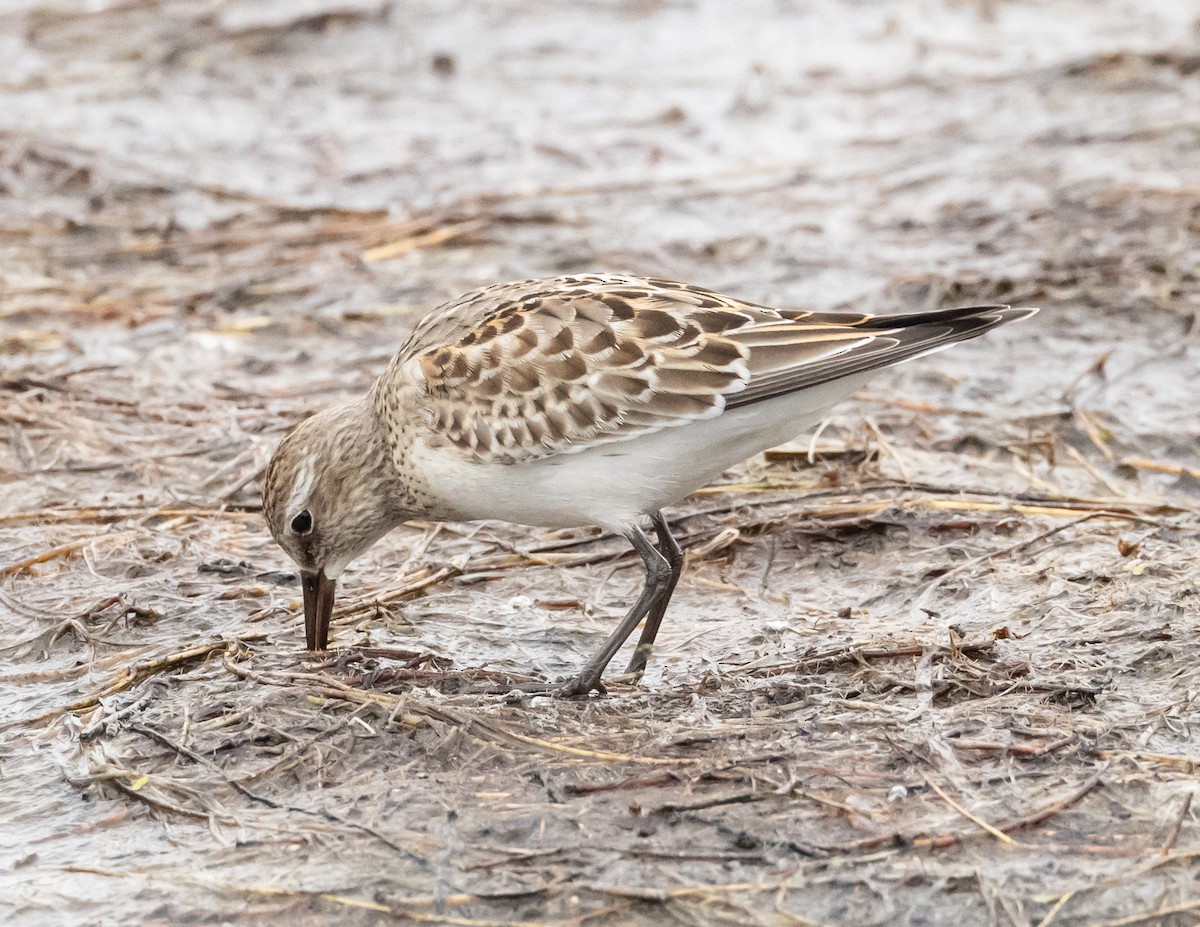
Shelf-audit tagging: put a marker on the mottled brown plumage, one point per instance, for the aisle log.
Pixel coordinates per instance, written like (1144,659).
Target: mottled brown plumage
(575,400)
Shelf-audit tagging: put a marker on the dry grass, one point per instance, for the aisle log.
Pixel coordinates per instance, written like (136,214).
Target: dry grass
(935,668)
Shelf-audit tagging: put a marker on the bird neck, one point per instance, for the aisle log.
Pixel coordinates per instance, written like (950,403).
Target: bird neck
(396,416)
(359,445)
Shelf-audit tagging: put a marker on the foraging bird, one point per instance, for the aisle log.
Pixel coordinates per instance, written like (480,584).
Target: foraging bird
(583,400)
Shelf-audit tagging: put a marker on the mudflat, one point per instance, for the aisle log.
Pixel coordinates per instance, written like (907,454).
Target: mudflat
(934,666)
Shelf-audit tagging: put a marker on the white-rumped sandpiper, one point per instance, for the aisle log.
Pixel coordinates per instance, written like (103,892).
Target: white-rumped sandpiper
(582,400)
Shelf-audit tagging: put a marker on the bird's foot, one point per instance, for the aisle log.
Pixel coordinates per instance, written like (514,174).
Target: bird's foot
(582,686)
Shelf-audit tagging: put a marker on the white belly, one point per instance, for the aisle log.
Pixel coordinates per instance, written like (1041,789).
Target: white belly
(616,484)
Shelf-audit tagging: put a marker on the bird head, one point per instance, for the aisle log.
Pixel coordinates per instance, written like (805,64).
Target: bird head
(326,500)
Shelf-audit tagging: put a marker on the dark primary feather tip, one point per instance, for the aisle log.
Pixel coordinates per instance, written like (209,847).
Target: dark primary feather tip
(1000,313)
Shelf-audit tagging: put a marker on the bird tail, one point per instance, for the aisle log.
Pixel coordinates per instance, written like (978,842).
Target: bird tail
(888,340)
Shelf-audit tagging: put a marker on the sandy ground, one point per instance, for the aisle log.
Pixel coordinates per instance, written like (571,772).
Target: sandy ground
(941,672)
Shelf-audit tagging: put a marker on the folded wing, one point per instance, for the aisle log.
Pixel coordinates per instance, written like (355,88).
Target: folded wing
(529,370)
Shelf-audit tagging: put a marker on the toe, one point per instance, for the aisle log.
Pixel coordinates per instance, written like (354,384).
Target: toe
(582,686)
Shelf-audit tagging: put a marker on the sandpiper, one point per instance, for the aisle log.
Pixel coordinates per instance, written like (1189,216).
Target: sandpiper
(580,400)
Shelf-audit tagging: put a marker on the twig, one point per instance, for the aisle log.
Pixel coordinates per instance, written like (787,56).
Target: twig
(1093,432)
(929,590)
(942,841)
(516,857)
(741,798)
(62,550)
(698,855)
(1058,906)
(686,891)
(1159,467)
(975,819)
(364,609)
(158,804)
(424,239)
(195,757)
(1036,749)
(854,653)
(103,515)
(1184,808)
(102,721)
(484,730)
(130,675)
(887,447)
(1044,814)
(401,909)
(637,782)
(1149,915)
(1092,470)
(1187,763)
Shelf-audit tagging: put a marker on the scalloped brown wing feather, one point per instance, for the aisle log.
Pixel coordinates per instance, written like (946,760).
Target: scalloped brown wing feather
(522,371)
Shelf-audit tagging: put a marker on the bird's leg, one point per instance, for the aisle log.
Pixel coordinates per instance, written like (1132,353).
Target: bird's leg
(658,581)
(670,549)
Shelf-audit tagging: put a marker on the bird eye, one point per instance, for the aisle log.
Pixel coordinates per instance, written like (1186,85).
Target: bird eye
(302,523)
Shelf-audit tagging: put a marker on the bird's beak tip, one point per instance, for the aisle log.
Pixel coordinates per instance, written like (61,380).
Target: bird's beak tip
(318,607)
